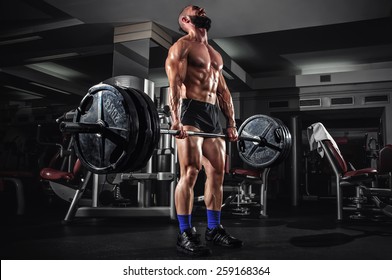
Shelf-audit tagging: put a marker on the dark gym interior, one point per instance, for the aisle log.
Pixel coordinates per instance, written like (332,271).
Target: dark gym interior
(300,65)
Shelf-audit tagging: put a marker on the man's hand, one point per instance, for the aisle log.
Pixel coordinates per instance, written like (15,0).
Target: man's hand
(232,134)
(178,126)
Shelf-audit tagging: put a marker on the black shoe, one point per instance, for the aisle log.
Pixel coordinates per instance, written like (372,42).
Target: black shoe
(189,243)
(219,236)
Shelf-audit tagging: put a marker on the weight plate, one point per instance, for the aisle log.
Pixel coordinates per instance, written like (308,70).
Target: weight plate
(258,155)
(106,152)
(155,123)
(141,154)
(287,140)
(130,82)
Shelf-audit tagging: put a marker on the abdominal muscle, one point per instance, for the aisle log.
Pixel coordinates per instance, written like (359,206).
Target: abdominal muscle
(195,93)
(200,84)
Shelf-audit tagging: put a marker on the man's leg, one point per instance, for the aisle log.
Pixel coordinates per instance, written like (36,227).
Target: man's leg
(214,156)
(189,155)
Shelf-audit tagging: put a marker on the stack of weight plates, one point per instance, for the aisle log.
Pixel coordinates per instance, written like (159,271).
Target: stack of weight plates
(130,129)
(274,146)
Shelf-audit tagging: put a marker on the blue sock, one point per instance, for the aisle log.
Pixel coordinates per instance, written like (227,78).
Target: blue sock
(185,222)
(213,218)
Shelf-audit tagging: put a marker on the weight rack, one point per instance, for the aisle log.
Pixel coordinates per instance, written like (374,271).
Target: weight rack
(142,210)
(166,146)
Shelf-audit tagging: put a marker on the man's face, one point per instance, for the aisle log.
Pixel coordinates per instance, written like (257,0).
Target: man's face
(197,11)
(198,17)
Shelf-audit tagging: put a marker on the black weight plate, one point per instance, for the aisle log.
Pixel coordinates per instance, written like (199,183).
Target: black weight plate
(132,107)
(141,154)
(109,151)
(122,83)
(282,133)
(141,149)
(127,81)
(287,140)
(256,155)
(155,136)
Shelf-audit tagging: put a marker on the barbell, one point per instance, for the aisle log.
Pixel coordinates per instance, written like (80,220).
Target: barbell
(116,129)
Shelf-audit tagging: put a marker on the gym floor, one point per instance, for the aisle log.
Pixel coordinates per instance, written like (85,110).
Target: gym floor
(309,231)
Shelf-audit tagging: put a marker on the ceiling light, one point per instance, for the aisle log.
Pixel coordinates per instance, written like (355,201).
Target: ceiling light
(50,88)
(24,90)
(327,67)
(20,40)
(50,57)
(56,70)
(42,27)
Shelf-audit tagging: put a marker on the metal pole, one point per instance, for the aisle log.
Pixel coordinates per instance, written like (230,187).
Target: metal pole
(78,194)
(263,193)
(295,160)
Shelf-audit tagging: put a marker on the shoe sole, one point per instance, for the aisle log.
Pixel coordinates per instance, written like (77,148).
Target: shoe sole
(186,252)
(239,245)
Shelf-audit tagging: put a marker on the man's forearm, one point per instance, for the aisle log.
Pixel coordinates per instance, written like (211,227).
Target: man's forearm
(227,107)
(174,102)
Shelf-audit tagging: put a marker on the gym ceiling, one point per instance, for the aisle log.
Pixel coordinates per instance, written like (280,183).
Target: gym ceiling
(52,51)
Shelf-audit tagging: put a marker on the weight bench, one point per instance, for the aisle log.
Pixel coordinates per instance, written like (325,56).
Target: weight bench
(243,179)
(63,183)
(363,180)
(239,179)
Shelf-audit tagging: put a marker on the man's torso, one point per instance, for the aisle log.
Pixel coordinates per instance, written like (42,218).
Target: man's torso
(203,69)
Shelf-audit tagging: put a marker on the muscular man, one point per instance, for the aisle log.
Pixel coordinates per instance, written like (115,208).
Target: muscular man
(198,89)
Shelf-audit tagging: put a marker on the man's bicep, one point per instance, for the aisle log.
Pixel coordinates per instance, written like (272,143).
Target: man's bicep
(175,65)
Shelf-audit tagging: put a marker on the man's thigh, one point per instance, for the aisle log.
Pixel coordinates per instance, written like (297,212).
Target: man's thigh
(214,154)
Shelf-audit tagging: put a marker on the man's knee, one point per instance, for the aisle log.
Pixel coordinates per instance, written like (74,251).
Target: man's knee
(191,174)
(217,173)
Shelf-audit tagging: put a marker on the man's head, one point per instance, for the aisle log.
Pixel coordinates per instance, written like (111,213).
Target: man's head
(193,16)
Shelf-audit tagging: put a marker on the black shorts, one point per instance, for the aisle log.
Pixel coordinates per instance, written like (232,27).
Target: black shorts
(203,115)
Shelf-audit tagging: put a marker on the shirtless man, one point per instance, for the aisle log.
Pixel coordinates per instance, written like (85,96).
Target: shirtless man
(197,91)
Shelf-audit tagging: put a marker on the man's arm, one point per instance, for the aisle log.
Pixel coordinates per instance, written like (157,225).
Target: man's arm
(225,101)
(175,66)
(227,107)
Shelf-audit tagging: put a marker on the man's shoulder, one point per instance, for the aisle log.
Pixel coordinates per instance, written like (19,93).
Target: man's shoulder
(181,45)
(183,41)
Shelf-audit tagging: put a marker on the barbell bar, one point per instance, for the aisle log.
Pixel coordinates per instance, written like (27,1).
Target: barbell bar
(257,139)
(116,129)
(100,128)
